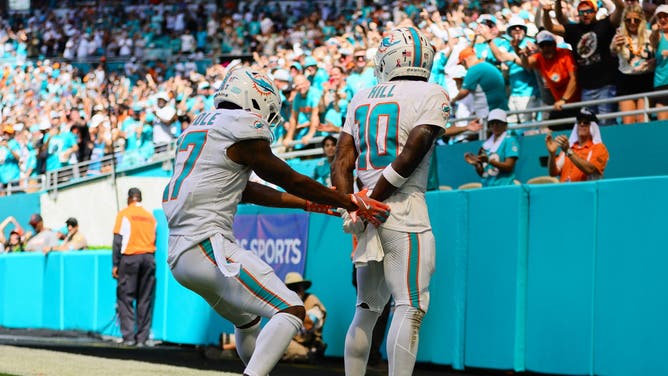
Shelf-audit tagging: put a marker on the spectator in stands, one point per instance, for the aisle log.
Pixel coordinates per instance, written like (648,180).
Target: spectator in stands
(635,53)
(524,92)
(496,159)
(14,243)
(333,102)
(322,173)
(361,75)
(487,33)
(484,81)
(583,155)
(590,39)
(659,40)
(43,239)
(308,343)
(305,118)
(316,75)
(134,267)
(557,67)
(74,239)
(10,157)
(61,143)
(165,116)
(283,82)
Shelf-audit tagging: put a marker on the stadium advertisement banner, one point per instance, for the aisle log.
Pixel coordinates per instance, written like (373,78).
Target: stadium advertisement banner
(278,239)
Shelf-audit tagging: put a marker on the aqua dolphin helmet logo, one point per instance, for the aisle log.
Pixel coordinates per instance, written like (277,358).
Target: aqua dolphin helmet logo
(260,84)
(387,42)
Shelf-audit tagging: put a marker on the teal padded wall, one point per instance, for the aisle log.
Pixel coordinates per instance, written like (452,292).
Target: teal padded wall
(21,206)
(496,248)
(561,255)
(562,279)
(631,317)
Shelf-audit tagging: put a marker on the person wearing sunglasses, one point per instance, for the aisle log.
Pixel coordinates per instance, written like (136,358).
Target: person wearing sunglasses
(659,40)
(635,53)
(590,39)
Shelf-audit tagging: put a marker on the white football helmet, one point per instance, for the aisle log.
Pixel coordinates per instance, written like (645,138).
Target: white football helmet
(405,51)
(253,91)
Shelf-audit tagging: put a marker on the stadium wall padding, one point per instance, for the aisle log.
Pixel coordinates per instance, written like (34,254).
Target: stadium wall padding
(562,279)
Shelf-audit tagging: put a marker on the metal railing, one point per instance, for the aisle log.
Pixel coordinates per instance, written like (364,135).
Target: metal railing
(89,170)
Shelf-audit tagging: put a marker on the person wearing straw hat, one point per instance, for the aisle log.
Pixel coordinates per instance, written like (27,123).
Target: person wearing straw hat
(583,155)
(307,344)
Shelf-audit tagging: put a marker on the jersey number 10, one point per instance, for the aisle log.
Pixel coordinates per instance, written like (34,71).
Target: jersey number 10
(378,135)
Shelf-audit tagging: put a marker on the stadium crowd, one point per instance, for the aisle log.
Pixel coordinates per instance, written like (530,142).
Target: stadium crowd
(490,54)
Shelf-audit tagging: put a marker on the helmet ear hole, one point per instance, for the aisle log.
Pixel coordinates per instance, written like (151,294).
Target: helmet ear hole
(256,105)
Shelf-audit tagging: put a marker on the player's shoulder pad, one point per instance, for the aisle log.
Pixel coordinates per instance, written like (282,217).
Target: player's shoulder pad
(243,125)
(436,96)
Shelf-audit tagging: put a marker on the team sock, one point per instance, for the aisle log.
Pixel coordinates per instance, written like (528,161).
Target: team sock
(245,341)
(270,346)
(403,339)
(358,341)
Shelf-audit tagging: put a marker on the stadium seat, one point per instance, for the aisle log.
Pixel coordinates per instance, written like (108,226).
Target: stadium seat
(543,180)
(473,185)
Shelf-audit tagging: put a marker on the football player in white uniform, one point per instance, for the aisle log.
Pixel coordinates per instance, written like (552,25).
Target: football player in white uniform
(388,137)
(215,157)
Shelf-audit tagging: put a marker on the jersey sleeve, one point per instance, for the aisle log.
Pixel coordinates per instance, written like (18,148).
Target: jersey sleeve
(434,109)
(350,118)
(117,225)
(512,148)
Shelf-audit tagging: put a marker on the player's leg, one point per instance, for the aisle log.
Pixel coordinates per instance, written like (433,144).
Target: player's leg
(255,291)
(409,264)
(372,294)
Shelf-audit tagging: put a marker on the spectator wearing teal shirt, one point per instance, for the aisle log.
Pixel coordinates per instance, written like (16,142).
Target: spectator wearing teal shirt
(60,144)
(315,74)
(524,91)
(305,117)
(484,81)
(322,171)
(361,76)
(333,102)
(9,156)
(283,82)
(489,31)
(496,159)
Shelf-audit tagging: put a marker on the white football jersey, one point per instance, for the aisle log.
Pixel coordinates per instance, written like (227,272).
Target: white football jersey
(202,196)
(380,119)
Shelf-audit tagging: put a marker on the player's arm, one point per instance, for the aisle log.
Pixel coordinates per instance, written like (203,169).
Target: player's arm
(344,163)
(257,155)
(259,194)
(420,140)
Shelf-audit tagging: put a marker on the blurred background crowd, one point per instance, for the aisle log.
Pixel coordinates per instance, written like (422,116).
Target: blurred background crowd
(80,81)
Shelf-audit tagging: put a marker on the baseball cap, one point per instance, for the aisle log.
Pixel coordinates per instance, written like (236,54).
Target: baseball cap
(661,9)
(545,36)
(487,17)
(162,95)
(514,22)
(310,61)
(465,53)
(8,129)
(586,115)
(591,3)
(203,85)
(296,65)
(497,114)
(282,75)
(35,219)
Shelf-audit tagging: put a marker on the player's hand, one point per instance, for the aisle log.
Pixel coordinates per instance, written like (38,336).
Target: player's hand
(315,207)
(370,210)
